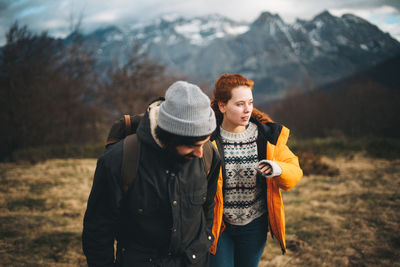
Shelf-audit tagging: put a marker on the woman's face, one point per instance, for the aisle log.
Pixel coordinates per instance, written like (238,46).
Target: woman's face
(237,110)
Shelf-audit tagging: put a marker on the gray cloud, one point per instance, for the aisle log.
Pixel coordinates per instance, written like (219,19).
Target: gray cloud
(55,16)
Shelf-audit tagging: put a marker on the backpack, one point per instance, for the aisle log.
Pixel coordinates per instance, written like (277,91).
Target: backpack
(125,129)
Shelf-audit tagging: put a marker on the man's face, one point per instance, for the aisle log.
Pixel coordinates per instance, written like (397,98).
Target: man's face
(189,152)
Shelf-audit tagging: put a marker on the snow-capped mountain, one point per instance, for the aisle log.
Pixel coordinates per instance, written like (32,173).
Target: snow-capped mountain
(169,39)
(199,31)
(279,57)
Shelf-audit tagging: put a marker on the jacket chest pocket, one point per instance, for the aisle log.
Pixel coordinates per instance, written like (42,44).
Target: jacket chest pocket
(197,194)
(198,198)
(146,209)
(193,208)
(144,205)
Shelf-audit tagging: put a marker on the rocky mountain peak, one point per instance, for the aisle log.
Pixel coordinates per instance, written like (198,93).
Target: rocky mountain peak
(267,18)
(325,15)
(279,57)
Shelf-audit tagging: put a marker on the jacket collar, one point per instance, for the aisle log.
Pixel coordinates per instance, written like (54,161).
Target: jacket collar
(153,111)
(148,124)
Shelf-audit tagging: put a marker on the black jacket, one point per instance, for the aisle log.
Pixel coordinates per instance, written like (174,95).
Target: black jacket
(165,219)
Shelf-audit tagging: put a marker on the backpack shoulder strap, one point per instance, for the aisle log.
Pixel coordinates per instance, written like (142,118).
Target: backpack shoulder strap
(207,156)
(130,161)
(135,120)
(123,127)
(128,129)
(132,123)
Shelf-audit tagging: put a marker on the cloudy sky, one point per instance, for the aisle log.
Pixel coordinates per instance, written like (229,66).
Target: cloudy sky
(55,16)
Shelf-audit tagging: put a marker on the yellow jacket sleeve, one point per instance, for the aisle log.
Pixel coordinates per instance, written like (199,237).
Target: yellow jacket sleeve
(291,171)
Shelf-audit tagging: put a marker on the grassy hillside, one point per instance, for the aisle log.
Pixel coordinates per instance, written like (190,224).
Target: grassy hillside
(41,212)
(349,219)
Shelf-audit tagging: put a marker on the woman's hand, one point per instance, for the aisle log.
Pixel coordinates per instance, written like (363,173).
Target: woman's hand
(264,168)
(268,168)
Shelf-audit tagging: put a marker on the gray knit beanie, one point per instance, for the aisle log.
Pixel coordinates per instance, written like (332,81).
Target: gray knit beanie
(186,111)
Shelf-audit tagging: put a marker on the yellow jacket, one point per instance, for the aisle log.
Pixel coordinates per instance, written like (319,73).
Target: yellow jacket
(275,137)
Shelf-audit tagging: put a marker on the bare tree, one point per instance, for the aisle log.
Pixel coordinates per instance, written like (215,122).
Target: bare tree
(130,88)
(47,91)
(355,109)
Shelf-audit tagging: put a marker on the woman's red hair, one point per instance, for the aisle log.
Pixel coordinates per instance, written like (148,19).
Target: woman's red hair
(223,92)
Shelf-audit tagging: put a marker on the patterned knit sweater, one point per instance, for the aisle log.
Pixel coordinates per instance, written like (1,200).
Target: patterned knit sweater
(244,198)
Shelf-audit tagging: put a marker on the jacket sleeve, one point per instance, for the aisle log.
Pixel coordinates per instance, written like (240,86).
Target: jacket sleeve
(199,248)
(291,171)
(100,220)
(211,191)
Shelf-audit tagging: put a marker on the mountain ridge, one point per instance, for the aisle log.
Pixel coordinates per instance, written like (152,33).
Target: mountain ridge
(278,56)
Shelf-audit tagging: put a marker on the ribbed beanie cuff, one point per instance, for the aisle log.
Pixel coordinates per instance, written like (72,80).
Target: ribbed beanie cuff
(186,111)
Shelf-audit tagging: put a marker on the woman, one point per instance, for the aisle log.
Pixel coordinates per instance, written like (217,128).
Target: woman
(256,164)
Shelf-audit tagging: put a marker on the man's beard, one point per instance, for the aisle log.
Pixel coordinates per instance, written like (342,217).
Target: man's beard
(175,156)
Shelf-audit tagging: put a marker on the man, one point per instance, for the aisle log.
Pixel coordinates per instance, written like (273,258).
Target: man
(165,218)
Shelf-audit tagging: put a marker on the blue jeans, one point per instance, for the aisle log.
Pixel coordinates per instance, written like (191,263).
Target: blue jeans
(241,246)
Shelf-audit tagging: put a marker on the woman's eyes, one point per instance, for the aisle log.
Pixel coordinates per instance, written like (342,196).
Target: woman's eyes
(241,104)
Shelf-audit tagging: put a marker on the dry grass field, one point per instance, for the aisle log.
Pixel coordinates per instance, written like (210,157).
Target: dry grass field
(350,219)
(41,212)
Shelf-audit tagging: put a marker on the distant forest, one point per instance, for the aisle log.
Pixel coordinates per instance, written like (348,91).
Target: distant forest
(50,94)
(366,104)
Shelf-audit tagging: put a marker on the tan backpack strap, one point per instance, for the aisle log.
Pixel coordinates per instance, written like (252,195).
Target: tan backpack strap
(130,161)
(110,142)
(127,124)
(207,156)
